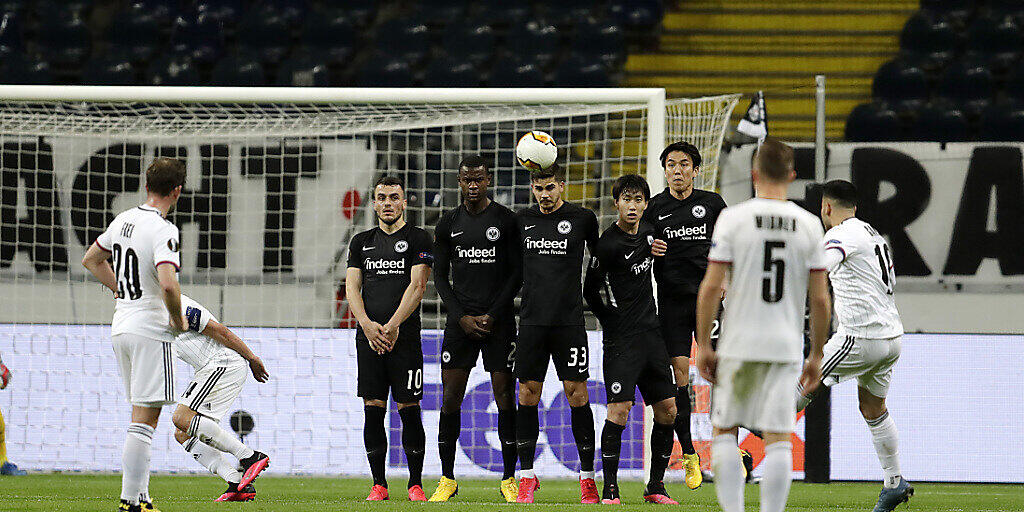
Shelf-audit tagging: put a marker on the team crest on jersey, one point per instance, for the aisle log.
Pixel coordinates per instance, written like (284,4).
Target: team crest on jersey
(172,244)
(650,239)
(699,211)
(616,387)
(492,233)
(401,246)
(564,227)
(446,356)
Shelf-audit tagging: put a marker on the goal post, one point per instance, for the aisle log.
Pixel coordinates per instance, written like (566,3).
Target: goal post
(278,181)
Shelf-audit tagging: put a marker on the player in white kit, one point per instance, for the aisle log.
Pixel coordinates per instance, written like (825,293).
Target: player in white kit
(222,362)
(770,249)
(866,344)
(147,314)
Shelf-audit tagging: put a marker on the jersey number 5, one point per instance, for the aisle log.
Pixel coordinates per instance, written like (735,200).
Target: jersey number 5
(130,280)
(774,272)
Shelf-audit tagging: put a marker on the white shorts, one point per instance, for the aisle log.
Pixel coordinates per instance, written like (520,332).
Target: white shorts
(756,395)
(214,388)
(869,360)
(147,369)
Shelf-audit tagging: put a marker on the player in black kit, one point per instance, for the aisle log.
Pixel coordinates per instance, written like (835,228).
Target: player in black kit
(634,351)
(388,267)
(553,234)
(479,243)
(684,217)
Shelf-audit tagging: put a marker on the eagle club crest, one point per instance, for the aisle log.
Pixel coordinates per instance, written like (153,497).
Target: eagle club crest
(492,233)
(401,246)
(564,227)
(699,211)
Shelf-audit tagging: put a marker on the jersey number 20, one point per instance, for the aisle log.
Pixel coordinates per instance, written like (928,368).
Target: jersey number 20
(129,282)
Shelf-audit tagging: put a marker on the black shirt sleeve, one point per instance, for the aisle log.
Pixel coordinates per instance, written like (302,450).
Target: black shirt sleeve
(442,266)
(593,232)
(592,285)
(514,259)
(355,252)
(421,248)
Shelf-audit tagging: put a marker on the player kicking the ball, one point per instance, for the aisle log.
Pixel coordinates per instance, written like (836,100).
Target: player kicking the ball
(478,242)
(772,249)
(388,268)
(866,344)
(634,351)
(553,234)
(147,315)
(222,362)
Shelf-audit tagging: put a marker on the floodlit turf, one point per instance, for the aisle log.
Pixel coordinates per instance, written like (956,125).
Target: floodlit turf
(78,492)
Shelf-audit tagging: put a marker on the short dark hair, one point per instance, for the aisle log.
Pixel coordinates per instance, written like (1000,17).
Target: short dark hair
(842,192)
(554,171)
(164,175)
(388,180)
(631,183)
(474,161)
(775,160)
(685,147)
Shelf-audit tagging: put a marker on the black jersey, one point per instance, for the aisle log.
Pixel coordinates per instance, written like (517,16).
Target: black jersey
(386,262)
(618,286)
(482,253)
(686,227)
(552,246)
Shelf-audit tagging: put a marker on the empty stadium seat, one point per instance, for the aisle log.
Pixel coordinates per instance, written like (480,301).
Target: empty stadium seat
(303,69)
(407,39)
(602,41)
(440,12)
(11,35)
(199,36)
(940,122)
(578,71)
(228,13)
(173,70)
(138,32)
(873,122)
(572,13)
(637,15)
(241,69)
(967,80)
(381,70)
(65,43)
(1003,122)
(451,72)
(332,35)
(112,69)
(18,68)
(509,72)
(899,80)
(474,44)
(536,41)
(997,39)
(931,37)
(1015,82)
(504,13)
(265,33)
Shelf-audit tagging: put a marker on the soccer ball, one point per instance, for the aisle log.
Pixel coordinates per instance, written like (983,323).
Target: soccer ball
(536,150)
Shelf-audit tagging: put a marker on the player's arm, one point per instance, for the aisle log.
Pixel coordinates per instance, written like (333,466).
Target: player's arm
(442,267)
(410,300)
(96,260)
(709,299)
(592,284)
(820,315)
(221,334)
(514,277)
(167,275)
(354,293)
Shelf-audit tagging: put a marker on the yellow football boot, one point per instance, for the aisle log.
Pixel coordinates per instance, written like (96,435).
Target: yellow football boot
(446,488)
(147,506)
(510,489)
(691,464)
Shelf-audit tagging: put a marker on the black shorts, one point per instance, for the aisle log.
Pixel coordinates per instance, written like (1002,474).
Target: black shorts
(638,361)
(678,318)
(400,371)
(566,344)
(459,351)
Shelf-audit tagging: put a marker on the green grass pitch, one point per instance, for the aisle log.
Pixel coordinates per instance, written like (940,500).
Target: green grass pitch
(85,492)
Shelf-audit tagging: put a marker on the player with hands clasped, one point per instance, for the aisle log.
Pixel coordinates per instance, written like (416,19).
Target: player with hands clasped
(222,362)
(477,274)
(771,251)
(388,268)
(618,289)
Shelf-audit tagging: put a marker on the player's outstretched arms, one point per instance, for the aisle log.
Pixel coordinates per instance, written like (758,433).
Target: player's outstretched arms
(709,299)
(373,331)
(96,261)
(168,277)
(229,339)
(820,313)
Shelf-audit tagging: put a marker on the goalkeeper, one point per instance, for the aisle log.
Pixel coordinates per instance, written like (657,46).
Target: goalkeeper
(6,467)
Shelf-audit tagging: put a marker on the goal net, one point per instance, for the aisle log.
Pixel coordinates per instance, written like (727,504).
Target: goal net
(278,182)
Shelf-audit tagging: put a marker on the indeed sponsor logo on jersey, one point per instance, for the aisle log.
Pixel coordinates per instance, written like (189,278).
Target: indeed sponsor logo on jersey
(643,267)
(383,264)
(476,254)
(545,246)
(687,232)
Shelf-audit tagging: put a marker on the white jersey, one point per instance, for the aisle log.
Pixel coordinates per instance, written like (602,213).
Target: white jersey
(197,349)
(772,246)
(860,267)
(141,239)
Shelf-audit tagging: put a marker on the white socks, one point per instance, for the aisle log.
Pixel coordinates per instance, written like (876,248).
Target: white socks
(135,463)
(588,474)
(886,441)
(527,473)
(728,468)
(778,469)
(211,459)
(209,432)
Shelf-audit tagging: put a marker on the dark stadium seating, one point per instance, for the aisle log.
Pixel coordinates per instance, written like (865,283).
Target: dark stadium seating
(384,70)
(1002,122)
(509,72)
(17,68)
(602,41)
(265,32)
(173,70)
(303,69)
(939,122)
(873,122)
(405,38)
(199,36)
(452,72)
(578,71)
(244,68)
(899,80)
(475,43)
(112,69)
(536,41)
(930,39)
(996,39)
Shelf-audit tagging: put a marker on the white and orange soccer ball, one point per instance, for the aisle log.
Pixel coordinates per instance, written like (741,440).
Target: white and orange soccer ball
(536,150)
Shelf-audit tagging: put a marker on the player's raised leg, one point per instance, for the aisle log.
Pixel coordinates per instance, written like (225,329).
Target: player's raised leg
(214,460)
(210,433)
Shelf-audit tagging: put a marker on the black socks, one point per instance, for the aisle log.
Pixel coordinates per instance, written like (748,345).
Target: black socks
(682,424)
(414,441)
(507,437)
(611,446)
(447,438)
(583,432)
(376,442)
(661,450)
(527,427)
